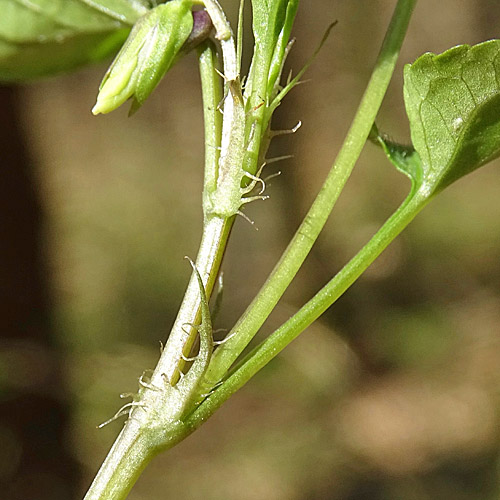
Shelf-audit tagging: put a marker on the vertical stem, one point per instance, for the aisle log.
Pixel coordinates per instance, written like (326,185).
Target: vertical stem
(212,247)
(212,118)
(137,443)
(216,229)
(126,460)
(298,249)
(225,35)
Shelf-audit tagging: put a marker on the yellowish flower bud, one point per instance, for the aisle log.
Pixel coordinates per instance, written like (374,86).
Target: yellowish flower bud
(148,53)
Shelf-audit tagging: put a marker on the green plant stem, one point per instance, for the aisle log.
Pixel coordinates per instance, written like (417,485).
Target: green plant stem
(135,445)
(126,460)
(138,442)
(311,311)
(212,119)
(213,244)
(134,450)
(298,249)
(115,479)
(225,35)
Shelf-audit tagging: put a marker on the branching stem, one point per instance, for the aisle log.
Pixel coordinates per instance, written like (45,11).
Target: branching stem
(298,249)
(160,421)
(309,313)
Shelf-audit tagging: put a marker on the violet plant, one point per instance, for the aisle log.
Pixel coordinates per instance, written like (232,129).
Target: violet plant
(453,106)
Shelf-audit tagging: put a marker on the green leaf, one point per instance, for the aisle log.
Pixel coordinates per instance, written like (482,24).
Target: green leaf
(43,37)
(453,104)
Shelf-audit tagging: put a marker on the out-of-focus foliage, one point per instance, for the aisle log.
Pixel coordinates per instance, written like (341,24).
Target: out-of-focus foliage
(393,395)
(42,37)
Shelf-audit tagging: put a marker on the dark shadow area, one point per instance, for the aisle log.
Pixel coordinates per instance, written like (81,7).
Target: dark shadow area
(34,462)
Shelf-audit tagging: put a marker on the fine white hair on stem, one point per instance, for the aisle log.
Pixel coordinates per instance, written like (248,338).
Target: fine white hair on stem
(255,179)
(225,339)
(276,133)
(122,411)
(242,214)
(147,385)
(188,360)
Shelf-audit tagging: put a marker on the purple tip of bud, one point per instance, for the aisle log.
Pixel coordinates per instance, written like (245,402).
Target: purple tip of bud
(202,28)
(201,22)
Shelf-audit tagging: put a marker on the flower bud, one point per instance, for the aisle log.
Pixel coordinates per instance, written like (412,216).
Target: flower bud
(149,52)
(202,28)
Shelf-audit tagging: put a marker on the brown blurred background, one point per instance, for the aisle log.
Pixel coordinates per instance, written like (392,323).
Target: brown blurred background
(393,395)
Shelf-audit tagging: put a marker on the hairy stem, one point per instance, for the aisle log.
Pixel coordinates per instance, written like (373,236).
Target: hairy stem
(216,229)
(157,419)
(298,249)
(263,353)
(137,443)
(215,235)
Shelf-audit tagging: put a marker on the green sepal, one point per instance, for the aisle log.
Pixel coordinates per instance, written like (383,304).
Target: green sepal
(149,52)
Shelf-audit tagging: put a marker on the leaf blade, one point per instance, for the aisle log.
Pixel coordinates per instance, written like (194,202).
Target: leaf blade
(453,104)
(43,37)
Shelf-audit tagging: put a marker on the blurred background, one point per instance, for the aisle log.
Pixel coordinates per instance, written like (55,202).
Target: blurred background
(393,395)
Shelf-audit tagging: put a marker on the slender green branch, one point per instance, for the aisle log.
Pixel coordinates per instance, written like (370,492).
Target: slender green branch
(306,235)
(311,311)
(138,442)
(157,419)
(212,97)
(239,34)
